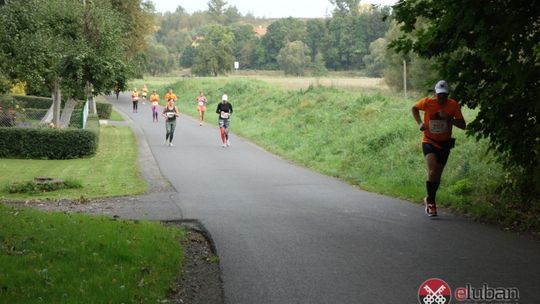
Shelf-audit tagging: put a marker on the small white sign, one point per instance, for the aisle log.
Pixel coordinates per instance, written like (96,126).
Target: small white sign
(236,65)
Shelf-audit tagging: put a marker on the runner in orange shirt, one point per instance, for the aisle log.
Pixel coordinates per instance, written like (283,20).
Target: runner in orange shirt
(135,100)
(201,106)
(170,95)
(440,114)
(154,99)
(144,93)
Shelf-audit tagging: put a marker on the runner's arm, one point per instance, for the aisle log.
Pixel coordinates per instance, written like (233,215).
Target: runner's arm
(416,115)
(460,123)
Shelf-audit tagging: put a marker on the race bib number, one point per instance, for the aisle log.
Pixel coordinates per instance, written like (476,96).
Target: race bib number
(438,126)
(201,103)
(171,114)
(225,115)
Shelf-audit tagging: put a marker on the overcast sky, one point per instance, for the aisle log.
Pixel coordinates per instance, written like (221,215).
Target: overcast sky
(264,8)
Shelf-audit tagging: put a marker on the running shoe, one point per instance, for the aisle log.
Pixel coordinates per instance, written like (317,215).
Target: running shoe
(171,144)
(430,208)
(228,143)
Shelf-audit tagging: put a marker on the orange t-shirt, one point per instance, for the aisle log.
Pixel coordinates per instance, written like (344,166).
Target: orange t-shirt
(134,96)
(154,99)
(170,96)
(437,128)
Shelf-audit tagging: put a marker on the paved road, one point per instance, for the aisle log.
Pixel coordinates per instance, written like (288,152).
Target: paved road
(285,234)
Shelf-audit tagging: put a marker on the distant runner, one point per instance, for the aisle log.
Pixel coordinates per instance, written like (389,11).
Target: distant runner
(170,112)
(135,100)
(144,93)
(201,106)
(225,110)
(440,114)
(154,99)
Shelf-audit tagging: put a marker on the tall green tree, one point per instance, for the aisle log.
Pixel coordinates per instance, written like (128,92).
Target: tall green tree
(62,45)
(315,33)
(138,21)
(215,52)
(216,9)
(294,58)
(278,35)
(157,59)
(346,7)
(489,51)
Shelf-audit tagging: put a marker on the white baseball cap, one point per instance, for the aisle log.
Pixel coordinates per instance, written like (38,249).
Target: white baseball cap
(441,87)
(224,97)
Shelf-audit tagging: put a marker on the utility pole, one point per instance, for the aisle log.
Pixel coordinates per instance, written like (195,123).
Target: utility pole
(405,77)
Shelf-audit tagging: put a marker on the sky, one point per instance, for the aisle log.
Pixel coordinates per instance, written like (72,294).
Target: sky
(264,8)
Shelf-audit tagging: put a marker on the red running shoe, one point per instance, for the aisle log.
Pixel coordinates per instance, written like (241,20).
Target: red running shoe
(431,208)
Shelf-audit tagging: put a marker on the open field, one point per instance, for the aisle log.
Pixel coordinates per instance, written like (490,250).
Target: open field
(333,80)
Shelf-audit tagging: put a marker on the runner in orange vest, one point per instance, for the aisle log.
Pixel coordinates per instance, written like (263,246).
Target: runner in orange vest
(440,115)
(201,106)
(154,99)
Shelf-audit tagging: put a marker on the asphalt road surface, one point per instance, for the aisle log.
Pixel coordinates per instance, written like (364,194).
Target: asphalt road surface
(285,234)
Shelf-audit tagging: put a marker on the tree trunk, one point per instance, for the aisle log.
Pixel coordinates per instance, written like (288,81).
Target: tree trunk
(90,97)
(57,101)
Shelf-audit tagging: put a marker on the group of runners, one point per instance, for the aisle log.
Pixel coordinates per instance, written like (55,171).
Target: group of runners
(441,113)
(170,112)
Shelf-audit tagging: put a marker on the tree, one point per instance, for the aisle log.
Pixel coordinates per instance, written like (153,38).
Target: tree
(421,72)
(375,60)
(188,56)
(138,21)
(315,32)
(216,8)
(62,45)
(215,52)
(157,59)
(294,58)
(319,66)
(279,33)
(490,54)
(346,7)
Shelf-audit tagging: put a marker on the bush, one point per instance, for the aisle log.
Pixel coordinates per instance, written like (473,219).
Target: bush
(33,102)
(34,187)
(47,143)
(104,110)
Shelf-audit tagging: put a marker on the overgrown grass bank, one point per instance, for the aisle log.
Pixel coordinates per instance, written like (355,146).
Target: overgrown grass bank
(367,139)
(113,171)
(71,258)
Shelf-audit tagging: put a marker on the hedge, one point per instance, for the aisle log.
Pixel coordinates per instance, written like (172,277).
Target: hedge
(33,102)
(104,110)
(47,143)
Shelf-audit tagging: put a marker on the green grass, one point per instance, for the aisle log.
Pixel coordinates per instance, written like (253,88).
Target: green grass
(367,138)
(113,171)
(71,258)
(115,116)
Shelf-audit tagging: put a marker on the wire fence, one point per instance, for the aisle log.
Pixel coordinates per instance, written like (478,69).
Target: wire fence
(19,114)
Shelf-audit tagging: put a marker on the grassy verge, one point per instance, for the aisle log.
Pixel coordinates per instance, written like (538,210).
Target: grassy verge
(366,138)
(111,172)
(115,116)
(70,258)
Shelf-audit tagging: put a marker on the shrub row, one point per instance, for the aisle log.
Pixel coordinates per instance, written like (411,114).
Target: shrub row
(104,110)
(47,143)
(33,102)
